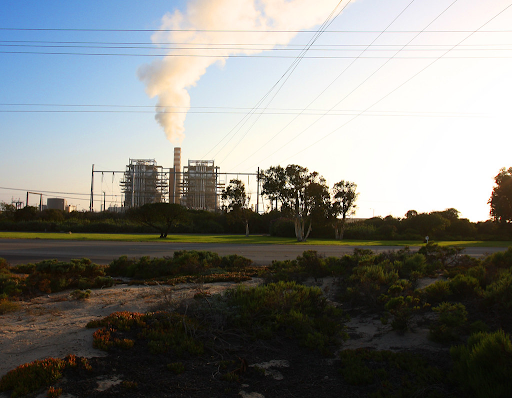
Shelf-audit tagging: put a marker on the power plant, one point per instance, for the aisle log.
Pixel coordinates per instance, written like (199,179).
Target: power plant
(197,186)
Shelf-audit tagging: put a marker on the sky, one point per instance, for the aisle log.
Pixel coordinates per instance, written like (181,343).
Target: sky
(409,99)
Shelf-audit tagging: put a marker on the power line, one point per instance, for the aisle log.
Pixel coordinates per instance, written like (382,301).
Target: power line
(221,55)
(330,84)
(328,21)
(291,68)
(322,47)
(399,86)
(237,31)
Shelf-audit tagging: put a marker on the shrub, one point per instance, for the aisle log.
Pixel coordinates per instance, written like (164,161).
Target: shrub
(296,310)
(451,321)
(312,263)
(465,286)
(235,262)
(36,375)
(483,367)
(80,294)
(413,266)
(401,308)
(437,292)
(176,367)
(8,306)
(499,293)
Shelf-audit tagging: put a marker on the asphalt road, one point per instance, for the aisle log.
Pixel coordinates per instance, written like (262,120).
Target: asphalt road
(20,251)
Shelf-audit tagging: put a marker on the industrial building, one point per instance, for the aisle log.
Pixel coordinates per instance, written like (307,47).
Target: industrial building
(144,182)
(56,203)
(200,185)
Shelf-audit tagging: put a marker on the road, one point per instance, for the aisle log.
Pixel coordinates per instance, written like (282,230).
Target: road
(20,251)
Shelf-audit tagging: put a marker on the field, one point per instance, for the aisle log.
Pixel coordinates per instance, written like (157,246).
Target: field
(236,239)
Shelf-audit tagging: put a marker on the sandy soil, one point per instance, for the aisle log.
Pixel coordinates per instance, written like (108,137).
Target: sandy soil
(54,325)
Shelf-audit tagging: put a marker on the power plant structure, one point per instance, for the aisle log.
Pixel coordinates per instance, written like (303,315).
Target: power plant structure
(144,182)
(201,185)
(198,186)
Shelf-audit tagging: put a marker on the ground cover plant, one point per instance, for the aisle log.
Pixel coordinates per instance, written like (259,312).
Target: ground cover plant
(223,345)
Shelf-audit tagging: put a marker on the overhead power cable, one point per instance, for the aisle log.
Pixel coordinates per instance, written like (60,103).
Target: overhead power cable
(400,85)
(237,31)
(328,21)
(290,70)
(372,74)
(330,84)
(98,54)
(248,47)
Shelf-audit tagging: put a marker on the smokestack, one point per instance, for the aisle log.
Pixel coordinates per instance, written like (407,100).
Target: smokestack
(206,22)
(175,178)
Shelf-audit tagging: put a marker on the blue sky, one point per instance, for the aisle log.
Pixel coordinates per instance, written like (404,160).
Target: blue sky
(408,99)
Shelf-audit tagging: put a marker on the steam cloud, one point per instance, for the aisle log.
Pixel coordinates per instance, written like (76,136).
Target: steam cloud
(170,78)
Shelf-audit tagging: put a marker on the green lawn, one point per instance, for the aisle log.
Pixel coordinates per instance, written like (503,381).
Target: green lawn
(235,239)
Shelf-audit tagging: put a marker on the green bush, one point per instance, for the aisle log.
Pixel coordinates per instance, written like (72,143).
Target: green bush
(80,294)
(235,262)
(7,306)
(413,266)
(499,293)
(465,286)
(451,322)
(437,292)
(483,367)
(401,309)
(312,264)
(3,263)
(286,307)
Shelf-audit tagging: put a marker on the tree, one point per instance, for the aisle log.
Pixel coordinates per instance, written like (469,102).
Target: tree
(237,202)
(160,216)
(343,204)
(7,211)
(410,214)
(295,188)
(428,224)
(501,197)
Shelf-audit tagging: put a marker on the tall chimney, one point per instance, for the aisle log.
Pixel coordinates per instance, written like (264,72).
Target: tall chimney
(176,177)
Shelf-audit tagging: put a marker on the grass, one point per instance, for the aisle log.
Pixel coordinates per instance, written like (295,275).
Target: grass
(235,239)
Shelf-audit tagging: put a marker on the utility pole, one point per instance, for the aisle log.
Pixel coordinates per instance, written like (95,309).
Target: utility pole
(258,192)
(91,204)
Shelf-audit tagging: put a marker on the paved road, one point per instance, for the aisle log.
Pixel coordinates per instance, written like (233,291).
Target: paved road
(20,251)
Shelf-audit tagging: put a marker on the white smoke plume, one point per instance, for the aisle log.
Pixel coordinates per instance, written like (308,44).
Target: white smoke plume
(170,78)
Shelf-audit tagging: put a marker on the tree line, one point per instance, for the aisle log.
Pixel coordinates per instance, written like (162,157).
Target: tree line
(302,206)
